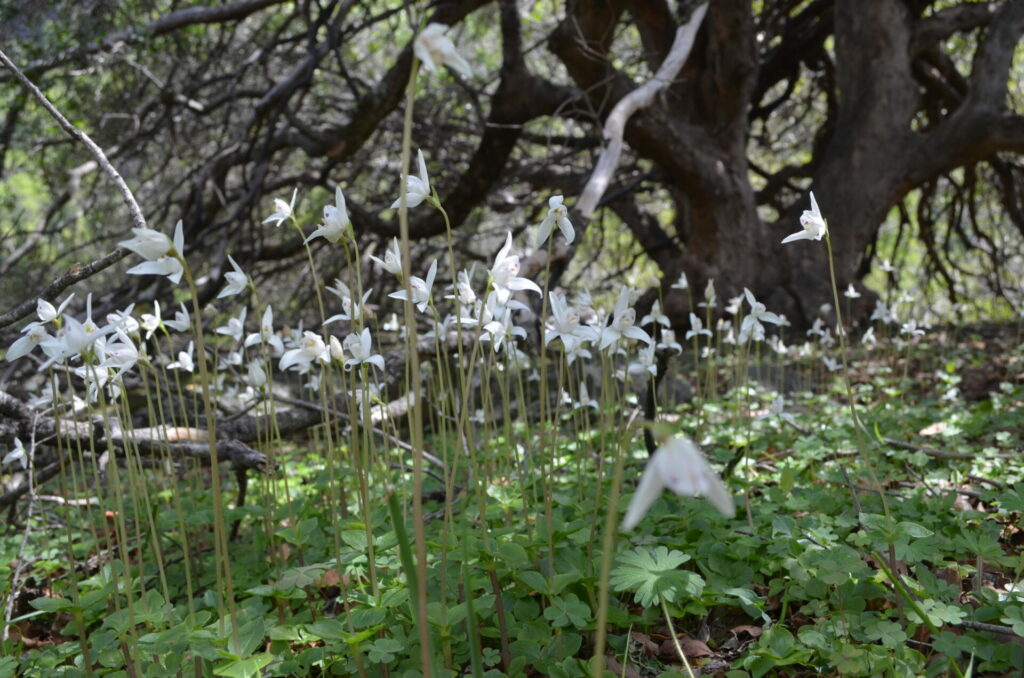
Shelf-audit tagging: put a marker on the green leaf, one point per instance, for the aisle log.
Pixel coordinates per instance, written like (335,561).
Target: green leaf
(51,604)
(566,611)
(244,668)
(653,575)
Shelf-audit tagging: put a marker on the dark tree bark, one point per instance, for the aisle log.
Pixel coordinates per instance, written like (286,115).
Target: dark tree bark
(861,101)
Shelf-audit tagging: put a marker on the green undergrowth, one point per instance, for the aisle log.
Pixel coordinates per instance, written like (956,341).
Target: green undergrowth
(799,583)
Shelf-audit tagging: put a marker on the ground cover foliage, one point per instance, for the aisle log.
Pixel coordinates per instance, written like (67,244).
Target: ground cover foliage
(474,528)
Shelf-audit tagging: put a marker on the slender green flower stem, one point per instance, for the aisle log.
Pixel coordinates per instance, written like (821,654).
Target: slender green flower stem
(909,599)
(413,389)
(223,564)
(675,638)
(611,524)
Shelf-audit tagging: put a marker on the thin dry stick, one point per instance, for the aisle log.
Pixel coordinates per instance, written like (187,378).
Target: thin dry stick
(138,219)
(133,207)
(641,97)
(25,537)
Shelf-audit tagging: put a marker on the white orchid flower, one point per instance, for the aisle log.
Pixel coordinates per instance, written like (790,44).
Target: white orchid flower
(566,325)
(420,289)
(162,255)
(46,311)
(182,322)
(235,327)
(350,309)
(33,334)
(311,348)
(623,324)
(360,347)
(696,328)
(668,341)
(417,189)
(120,355)
(710,298)
(282,210)
(184,361)
(644,363)
(813,224)
(16,455)
(433,48)
(237,281)
(336,220)
(752,327)
(679,466)
(266,334)
(851,292)
(557,215)
(681,284)
(655,316)
(505,272)
(392,262)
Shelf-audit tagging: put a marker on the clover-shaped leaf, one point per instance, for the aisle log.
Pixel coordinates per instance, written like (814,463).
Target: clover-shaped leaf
(566,611)
(654,575)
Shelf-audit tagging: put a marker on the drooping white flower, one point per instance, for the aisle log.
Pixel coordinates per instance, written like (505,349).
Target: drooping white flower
(752,327)
(282,210)
(505,272)
(360,347)
(392,262)
(433,48)
(335,220)
(655,316)
(417,189)
(557,215)
(311,348)
(420,288)
(813,224)
(679,466)
(237,281)
(622,325)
